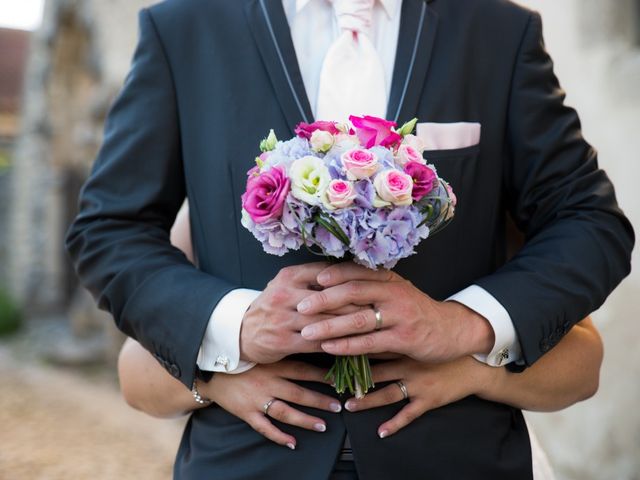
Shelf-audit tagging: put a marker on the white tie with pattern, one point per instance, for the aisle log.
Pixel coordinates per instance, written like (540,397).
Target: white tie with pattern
(352,79)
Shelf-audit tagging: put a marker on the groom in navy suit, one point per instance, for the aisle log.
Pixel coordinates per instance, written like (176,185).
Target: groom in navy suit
(208,79)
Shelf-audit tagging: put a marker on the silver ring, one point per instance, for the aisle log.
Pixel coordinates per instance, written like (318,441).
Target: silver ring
(265,407)
(378,318)
(403,389)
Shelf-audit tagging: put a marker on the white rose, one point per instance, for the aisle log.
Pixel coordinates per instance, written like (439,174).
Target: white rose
(309,179)
(406,153)
(414,142)
(321,141)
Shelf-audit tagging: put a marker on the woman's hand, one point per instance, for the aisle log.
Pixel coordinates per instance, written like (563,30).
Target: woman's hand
(563,376)
(245,395)
(429,386)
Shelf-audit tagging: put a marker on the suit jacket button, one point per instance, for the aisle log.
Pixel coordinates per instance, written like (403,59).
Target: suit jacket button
(174,370)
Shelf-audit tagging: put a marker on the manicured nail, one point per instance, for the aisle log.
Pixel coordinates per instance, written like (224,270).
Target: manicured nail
(309,331)
(324,277)
(351,406)
(304,306)
(383,433)
(320,427)
(336,407)
(291,446)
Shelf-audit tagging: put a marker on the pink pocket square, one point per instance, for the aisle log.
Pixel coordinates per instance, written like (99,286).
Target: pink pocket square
(448,136)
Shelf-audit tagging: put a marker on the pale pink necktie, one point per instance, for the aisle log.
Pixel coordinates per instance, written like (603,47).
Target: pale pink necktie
(352,79)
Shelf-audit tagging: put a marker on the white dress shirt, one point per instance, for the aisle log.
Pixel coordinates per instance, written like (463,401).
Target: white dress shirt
(314,27)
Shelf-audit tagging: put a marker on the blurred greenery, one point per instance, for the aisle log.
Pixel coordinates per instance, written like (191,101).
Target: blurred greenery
(5,161)
(10,316)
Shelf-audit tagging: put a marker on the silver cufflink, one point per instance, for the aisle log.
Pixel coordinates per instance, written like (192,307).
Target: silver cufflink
(222,361)
(502,356)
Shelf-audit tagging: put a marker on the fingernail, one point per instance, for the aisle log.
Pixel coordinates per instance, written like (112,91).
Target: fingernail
(309,331)
(351,406)
(324,277)
(320,427)
(291,446)
(383,434)
(336,407)
(304,305)
(328,345)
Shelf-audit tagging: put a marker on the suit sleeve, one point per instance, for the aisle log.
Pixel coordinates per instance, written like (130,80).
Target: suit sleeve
(119,242)
(578,242)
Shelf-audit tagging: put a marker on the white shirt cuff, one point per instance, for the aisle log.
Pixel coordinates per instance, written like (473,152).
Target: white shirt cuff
(220,349)
(507,347)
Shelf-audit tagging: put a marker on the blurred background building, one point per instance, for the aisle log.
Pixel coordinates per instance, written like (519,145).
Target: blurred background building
(57,82)
(14,49)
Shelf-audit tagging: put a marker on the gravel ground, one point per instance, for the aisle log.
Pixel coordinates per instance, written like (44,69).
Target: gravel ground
(60,425)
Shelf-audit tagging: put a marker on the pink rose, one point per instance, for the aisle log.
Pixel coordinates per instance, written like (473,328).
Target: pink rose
(424,179)
(394,187)
(359,163)
(340,194)
(265,194)
(406,154)
(305,130)
(373,131)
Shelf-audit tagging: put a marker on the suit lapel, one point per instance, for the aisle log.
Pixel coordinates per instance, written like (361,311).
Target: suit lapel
(418,24)
(270,29)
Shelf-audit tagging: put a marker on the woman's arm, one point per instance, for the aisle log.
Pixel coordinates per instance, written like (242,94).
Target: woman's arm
(146,386)
(567,374)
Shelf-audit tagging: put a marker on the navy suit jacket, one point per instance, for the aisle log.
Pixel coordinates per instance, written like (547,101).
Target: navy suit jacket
(209,78)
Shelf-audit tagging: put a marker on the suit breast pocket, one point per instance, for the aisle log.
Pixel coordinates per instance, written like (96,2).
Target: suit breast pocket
(456,166)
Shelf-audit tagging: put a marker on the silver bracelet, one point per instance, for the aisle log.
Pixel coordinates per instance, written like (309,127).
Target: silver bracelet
(200,400)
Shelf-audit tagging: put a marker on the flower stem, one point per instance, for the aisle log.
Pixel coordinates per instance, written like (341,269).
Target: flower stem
(352,374)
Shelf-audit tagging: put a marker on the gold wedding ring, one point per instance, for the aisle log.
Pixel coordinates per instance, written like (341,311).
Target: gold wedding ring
(265,407)
(403,389)
(378,318)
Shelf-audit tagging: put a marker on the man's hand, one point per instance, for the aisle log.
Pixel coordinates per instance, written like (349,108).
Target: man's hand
(413,323)
(271,327)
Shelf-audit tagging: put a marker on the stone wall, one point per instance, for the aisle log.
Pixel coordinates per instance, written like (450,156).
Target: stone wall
(78,60)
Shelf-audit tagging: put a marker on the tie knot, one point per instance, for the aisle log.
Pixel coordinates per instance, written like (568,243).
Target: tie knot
(354,15)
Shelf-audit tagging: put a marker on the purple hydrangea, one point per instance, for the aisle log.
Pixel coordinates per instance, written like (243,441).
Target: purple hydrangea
(377,237)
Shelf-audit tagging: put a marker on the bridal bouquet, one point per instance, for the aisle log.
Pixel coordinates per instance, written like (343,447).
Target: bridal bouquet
(360,190)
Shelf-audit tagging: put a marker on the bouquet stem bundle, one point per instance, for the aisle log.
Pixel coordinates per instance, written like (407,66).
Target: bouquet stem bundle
(353,374)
